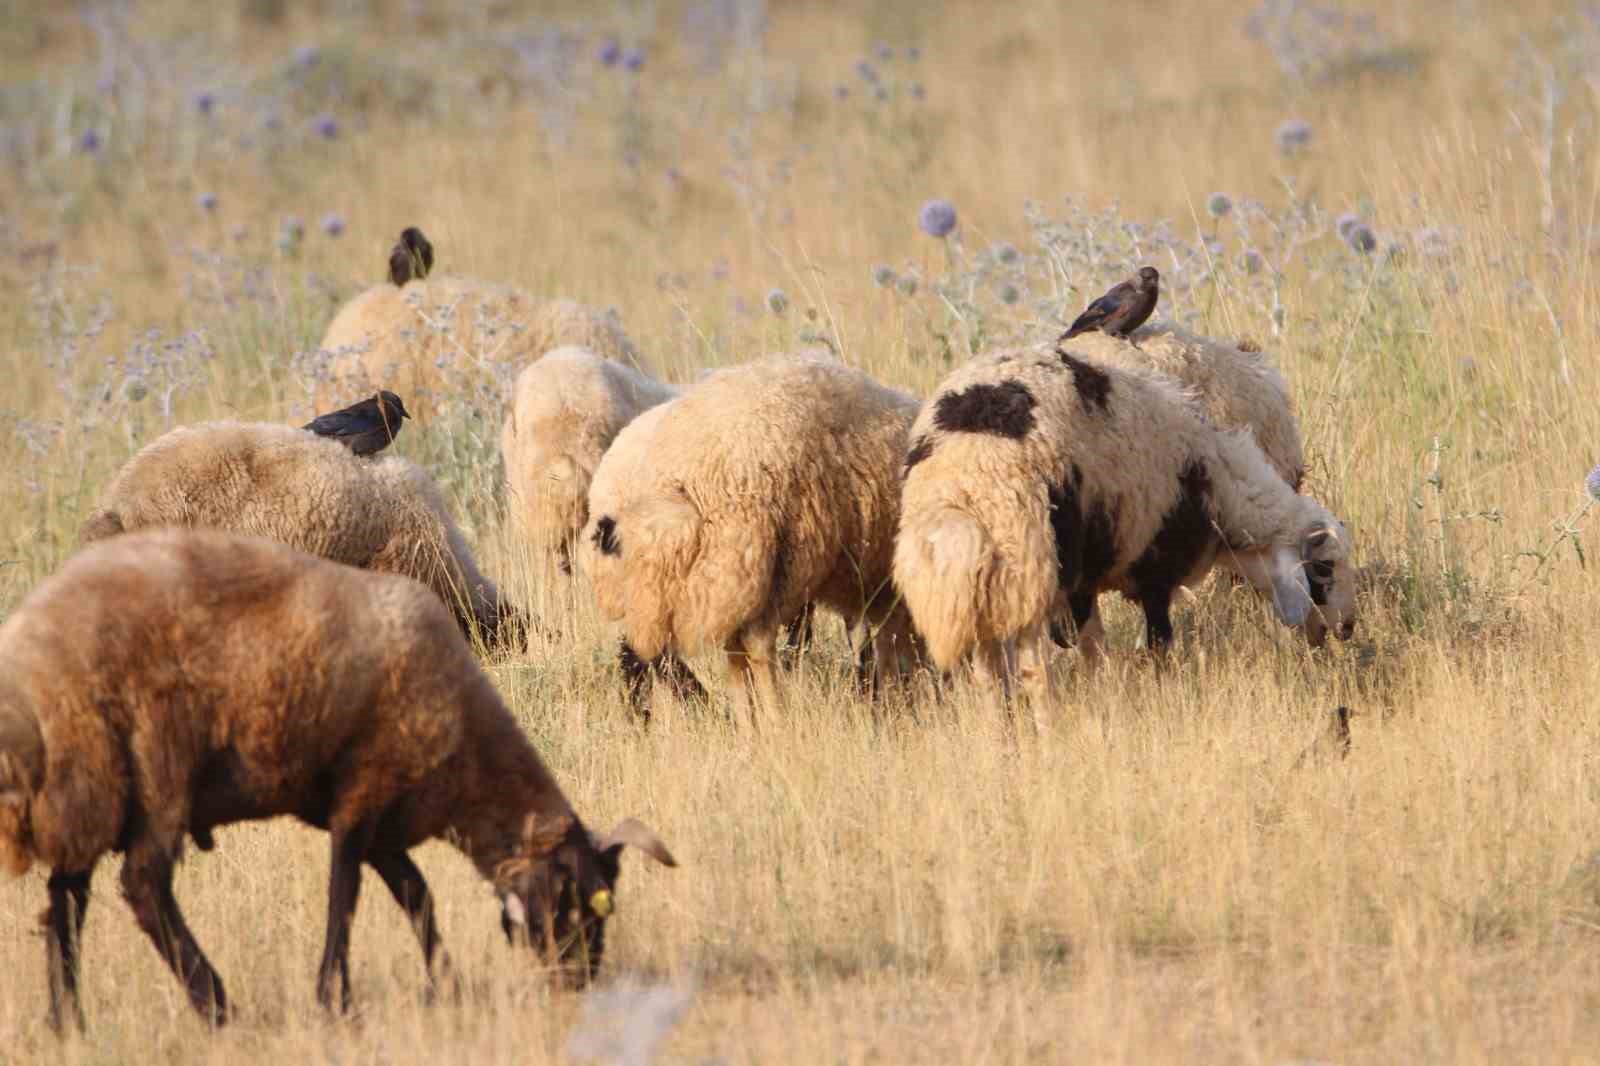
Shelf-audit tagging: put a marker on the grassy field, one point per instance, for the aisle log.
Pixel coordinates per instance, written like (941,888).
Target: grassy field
(187,193)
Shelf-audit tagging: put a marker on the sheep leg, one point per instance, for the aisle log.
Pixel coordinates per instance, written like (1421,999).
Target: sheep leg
(992,666)
(749,653)
(63,925)
(147,886)
(1033,655)
(1091,632)
(1157,606)
(349,846)
(406,884)
(798,636)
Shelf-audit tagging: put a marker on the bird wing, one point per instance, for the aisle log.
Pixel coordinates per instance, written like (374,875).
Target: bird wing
(1098,311)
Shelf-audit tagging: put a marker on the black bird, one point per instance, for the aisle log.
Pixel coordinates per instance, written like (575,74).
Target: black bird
(411,258)
(1122,309)
(366,427)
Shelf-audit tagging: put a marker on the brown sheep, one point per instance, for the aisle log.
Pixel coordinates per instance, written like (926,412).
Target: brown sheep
(311,493)
(162,684)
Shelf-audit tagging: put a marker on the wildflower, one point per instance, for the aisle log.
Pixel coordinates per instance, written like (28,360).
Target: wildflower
(1292,135)
(777,301)
(1009,293)
(610,53)
(1362,239)
(326,126)
(1006,253)
(937,218)
(841,91)
(906,286)
(1250,261)
(633,60)
(1345,223)
(1218,205)
(205,102)
(89,142)
(917,91)
(333,224)
(307,56)
(293,228)
(913,53)
(1592,483)
(1433,243)
(883,275)
(208,201)
(884,53)
(868,72)
(881,93)
(134,390)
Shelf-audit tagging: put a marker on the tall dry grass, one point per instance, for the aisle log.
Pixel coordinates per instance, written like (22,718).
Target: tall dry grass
(1150,881)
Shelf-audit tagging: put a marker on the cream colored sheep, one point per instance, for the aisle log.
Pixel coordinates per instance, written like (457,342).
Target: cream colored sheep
(716,517)
(1237,388)
(399,337)
(310,493)
(1036,479)
(166,683)
(566,409)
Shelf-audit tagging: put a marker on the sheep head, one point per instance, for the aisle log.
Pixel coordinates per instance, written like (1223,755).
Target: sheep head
(558,892)
(1331,582)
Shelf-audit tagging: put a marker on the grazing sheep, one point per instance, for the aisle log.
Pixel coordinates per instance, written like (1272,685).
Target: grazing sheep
(566,409)
(1036,479)
(309,492)
(1238,388)
(716,517)
(166,683)
(399,338)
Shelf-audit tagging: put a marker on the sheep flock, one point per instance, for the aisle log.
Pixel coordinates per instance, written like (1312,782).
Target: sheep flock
(267,620)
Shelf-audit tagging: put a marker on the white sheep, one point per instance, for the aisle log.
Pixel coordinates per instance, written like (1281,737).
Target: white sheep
(716,517)
(400,338)
(308,492)
(566,409)
(1036,480)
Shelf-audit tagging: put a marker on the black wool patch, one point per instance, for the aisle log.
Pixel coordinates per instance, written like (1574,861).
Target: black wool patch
(1092,383)
(921,448)
(1003,410)
(1185,534)
(605,536)
(1086,539)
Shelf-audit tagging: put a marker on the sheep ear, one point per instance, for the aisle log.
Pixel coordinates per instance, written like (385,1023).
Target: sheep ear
(516,913)
(632,831)
(1291,592)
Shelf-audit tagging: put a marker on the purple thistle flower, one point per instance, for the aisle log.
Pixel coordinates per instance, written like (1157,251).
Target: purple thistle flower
(89,142)
(1218,205)
(777,301)
(610,53)
(633,61)
(1006,253)
(307,56)
(1292,135)
(937,218)
(867,71)
(1345,223)
(884,53)
(1009,293)
(208,201)
(333,224)
(913,53)
(906,286)
(1361,238)
(1251,262)
(883,275)
(326,126)
(1592,483)
(206,102)
(917,91)
(293,228)
(841,91)
(880,93)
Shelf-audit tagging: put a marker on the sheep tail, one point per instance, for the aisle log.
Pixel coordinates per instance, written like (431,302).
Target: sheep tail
(658,540)
(100,525)
(21,768)
(943,566)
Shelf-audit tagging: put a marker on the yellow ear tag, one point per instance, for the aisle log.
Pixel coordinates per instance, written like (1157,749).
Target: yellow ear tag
(600,903)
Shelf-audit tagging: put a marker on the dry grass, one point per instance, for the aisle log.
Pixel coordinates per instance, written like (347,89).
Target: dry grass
(1150,881)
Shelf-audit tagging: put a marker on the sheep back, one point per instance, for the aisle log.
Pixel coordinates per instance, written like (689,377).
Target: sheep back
(401,338)
(764,487)
(1235,388)
(305,491)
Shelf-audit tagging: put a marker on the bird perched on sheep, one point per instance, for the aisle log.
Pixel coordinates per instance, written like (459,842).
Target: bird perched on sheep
(366,427)
(716,517)
(1036,479)
(1123,308)
(166,683)
(405,337)
(411,259)
(308,492)
(566,409)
